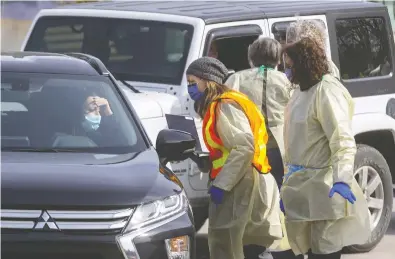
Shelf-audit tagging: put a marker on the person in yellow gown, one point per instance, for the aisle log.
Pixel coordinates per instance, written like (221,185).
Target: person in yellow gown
(244,205)
(324,206)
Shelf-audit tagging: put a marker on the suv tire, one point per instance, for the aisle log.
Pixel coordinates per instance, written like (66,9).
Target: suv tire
(374,164)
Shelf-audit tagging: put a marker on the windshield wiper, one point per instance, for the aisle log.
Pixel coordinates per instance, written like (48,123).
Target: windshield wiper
(121,77)
(44,150)
(131,87)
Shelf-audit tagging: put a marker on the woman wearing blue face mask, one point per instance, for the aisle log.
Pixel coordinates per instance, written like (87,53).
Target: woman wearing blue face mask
(99,122)
(325,207)
(94,107)
(244,206)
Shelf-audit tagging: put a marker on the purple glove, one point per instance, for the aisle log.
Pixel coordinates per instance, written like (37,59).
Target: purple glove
(344,190)
(282,206)
(217,194)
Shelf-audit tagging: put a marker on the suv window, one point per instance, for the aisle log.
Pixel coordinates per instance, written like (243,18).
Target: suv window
(234,60)
(44,111)
(363,47)
(135,50)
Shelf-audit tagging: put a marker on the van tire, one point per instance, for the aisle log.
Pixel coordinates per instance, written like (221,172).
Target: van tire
(371,157)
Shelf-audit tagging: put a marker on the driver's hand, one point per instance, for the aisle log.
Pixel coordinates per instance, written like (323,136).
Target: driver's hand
(102,102)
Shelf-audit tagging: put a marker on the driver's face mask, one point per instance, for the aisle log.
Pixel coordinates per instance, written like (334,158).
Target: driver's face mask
(91,122)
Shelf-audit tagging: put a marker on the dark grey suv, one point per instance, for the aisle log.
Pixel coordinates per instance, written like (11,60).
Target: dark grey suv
(80,178)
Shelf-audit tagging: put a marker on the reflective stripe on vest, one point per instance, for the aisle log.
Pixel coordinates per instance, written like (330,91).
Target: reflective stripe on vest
(218,153)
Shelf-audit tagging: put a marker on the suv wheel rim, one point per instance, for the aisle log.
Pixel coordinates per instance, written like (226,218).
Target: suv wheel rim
(372,187)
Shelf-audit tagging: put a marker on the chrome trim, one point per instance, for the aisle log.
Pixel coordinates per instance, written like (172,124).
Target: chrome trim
(17,224)
(111,214)
(91,225)
(21,214)
(106,220)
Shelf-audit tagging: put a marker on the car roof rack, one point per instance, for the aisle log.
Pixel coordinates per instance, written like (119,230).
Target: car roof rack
(96,63)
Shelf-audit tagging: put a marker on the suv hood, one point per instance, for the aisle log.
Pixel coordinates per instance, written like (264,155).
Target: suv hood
(152,104)
(72,180)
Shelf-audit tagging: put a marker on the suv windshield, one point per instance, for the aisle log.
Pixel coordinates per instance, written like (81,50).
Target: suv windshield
(134,50)
(53,112)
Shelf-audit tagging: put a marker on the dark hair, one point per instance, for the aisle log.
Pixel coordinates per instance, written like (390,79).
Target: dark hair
(309,62)
(265,51)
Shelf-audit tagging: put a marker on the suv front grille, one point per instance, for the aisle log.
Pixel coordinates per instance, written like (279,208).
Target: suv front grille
(105,221)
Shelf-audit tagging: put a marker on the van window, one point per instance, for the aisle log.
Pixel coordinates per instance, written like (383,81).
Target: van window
(363,47)
(134,50)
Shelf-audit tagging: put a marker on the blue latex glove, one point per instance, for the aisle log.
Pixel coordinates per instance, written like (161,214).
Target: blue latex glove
(217,194)
(344,190)
(282,206)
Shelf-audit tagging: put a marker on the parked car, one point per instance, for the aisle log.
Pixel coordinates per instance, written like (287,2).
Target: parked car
(74,186)
(149,45)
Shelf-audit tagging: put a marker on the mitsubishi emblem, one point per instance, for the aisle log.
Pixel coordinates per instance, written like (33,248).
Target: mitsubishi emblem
(46,222)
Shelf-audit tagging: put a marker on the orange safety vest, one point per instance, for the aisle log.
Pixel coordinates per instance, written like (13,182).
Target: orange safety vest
(218,153)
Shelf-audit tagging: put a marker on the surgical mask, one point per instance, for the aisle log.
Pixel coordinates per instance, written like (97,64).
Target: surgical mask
(91,122)
(194,92)
(288,73)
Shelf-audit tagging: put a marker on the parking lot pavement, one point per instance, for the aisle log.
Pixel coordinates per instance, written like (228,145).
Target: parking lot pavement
(384,250)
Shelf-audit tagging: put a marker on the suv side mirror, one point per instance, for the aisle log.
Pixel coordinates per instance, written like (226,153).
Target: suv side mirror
(202,160)
(174,145)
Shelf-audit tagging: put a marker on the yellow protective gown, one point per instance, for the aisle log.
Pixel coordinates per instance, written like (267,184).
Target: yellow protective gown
(270,93)
(333,70)
(250,213)
(318,136)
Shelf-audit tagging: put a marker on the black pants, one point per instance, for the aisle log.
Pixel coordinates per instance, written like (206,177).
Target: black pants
(289,255)
(286,255)
(253,251)
(276,163)
(336,255)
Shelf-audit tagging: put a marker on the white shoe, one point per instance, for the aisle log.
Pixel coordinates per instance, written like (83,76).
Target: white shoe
(265,255)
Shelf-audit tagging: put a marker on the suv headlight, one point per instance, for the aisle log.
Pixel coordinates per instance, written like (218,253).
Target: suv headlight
(149,213)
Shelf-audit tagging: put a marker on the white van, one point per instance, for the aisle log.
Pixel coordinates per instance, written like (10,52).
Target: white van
(148,46)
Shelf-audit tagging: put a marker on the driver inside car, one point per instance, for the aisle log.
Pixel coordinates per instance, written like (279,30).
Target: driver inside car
(94,107)
(99,123)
